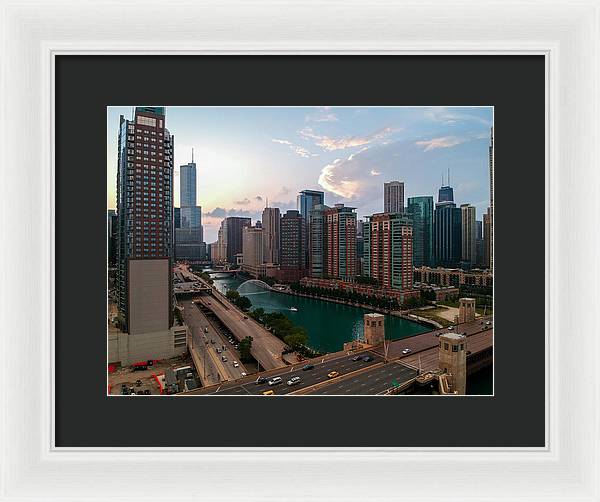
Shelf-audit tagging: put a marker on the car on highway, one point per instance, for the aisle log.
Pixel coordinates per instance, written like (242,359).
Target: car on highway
(218,350)
(275,381)
(450,328)
(224,359)
(356,358)
(406,351)
(267,392)
(260,380)
(307,367)
(212,341)
(333,374)
(366,359)
(244,374)
(293,381)
(236,364)
(487,323)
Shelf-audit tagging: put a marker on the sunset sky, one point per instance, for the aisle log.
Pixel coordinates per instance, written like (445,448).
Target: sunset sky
(245,155)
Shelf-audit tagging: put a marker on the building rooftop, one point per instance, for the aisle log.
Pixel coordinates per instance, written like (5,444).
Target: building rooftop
(453,336)
(374,315)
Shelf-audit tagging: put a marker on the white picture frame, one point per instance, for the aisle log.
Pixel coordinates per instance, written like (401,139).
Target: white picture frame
(567,33)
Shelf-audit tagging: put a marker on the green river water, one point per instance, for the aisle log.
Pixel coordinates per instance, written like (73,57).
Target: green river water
(330,324)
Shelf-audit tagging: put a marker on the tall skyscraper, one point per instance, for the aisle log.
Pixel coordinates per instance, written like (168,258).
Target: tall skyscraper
(393,197)
(446,193)
(317,241)
(271,234)
(388,256)
(487,239)
(479,244)
(189,236)
(490,251)
(292,252)
(340,236)
(252,248)
(145,234)
(232,236)
(306,201)
(468,236)
(111,234)
(177,217)
(421,211)
(447,242)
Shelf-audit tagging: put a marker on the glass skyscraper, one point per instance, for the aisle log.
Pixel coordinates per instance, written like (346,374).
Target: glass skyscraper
(420,209)
(447,235)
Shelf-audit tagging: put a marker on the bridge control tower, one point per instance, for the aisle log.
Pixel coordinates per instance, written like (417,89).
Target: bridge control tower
(466,310)
(453,359)
(374,328)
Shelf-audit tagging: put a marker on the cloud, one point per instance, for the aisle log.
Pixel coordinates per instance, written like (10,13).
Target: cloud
(323,114)
(330,144)
(444,142)
(298,150)
(217,212)
(358,179)
(284,190)
(258,198)
(451,116)
(244,202)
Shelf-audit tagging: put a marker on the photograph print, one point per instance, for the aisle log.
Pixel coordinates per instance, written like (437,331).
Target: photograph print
(290,251)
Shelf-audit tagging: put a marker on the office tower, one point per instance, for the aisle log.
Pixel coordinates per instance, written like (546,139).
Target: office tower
(479,244)
(220,249)
(111,236)
(468,236)
(271,230)
(145,236)
(446,193)
(388,254)
(317,241)
(292,252)
(189,238)
(487,238)
(306,201)
(393,197)
(177,217)
(252,249)
(340,236)
(490,251)
(447,242)
(360,247)
(293,228)
(232,236)
(421,211)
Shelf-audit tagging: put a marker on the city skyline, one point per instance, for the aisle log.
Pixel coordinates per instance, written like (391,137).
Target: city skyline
(272,153)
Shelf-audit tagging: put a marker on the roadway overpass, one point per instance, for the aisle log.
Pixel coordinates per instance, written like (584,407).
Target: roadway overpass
(376,376)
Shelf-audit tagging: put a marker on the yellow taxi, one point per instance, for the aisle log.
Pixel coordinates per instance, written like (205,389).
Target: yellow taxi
(333,374)
(268,393)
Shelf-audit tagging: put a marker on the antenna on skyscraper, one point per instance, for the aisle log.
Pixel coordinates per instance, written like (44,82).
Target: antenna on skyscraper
(192,155)
(448,176)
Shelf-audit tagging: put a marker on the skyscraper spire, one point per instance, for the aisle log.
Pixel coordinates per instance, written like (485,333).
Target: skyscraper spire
(448,176)
(192,155)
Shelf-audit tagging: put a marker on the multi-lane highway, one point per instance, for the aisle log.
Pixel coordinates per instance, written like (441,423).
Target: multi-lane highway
(360,377)
(217,370)
(266,347)
(308,378)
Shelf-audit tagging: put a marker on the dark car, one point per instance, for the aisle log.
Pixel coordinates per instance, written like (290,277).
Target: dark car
(307,367)
(260,380)
(367,359)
